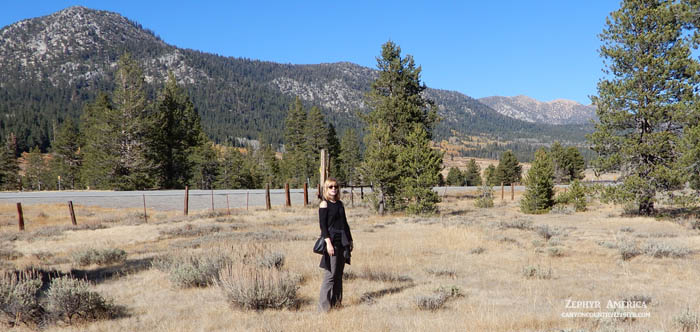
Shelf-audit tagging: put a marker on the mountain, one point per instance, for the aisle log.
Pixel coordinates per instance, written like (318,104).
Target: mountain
(560,111)
(51,66)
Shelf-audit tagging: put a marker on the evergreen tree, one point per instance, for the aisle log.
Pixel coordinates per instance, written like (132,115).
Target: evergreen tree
(350,157)
(421,165)
(397,109)
(334,154)
(100,148)
(539,195)
(454,177)
(233,173)
(490,175)
(67,159)
(36,170)
(296,166)
(135,170)
(472,175)
(317,139)
(509,169)
(175,135)
(9,168)
(206,164)
(647,99)
(576,163)
(561,162)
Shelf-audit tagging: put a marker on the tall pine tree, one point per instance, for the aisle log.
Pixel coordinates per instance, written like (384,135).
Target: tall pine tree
(539,195)
(398,111)
(647,99)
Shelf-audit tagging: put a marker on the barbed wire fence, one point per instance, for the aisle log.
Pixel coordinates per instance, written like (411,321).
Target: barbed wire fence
(186,200)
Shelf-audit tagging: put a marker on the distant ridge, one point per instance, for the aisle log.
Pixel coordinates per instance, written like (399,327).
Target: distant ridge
(556,112)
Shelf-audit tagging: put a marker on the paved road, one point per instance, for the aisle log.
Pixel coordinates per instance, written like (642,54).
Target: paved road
(174,199)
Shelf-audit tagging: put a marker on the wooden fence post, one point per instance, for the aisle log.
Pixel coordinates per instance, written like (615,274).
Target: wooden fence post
(306,194)
(145,216)
(267,197)
(20,216)
(72,213)
(212,199)
(187,199)
(512,191)
(502,190)
(362,193)
(247,198)
(287,199)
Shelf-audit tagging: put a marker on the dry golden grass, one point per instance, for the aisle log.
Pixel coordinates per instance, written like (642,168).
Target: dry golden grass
(415,254)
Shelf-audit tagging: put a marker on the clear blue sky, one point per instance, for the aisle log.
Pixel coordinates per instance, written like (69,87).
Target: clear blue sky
(543,49)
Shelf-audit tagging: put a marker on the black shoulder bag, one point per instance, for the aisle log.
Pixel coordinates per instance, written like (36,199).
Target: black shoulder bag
(320,245)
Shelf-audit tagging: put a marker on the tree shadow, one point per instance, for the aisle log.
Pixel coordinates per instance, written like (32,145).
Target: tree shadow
(371,297)
(102,274)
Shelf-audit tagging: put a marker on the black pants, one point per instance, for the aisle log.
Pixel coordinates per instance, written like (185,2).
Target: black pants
(332,285)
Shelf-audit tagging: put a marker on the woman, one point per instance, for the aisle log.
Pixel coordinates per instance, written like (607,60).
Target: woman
(336,232)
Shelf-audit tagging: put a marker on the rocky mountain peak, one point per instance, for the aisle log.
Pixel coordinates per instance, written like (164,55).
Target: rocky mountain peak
(558,111)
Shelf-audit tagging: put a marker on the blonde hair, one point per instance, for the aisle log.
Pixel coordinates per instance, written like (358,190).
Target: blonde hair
(326,195)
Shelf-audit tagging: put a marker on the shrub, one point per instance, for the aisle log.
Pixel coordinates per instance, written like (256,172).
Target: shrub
(628,249)
(659,250)
(545,232)
(443,272)
(271,259)
(192,270)
(536,272)
(253,287)
(19,292)
(436,300)
(105,256)
(517,224)
(555,252)
(477,250)
(485,199)
(687,321)
(71,299)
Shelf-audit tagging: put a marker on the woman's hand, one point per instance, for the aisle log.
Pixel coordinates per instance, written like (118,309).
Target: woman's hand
(329,247)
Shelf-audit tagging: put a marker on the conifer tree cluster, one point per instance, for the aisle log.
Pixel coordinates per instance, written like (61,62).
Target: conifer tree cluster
(539,195)
(399,160)
(508,170)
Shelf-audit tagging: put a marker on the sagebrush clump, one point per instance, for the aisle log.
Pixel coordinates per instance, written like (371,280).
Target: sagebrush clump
(192,269)
(71,299)
(254,280)
(105,256)
(19,298)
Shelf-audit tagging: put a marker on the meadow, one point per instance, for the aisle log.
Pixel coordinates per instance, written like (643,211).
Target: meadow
(465,269)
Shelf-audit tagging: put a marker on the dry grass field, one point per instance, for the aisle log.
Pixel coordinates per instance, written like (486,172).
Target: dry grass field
(507,271)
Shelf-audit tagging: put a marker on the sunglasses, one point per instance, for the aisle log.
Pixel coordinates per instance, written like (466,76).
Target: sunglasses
(332,187)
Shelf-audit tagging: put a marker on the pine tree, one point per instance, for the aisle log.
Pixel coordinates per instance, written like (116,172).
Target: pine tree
(176,133)
(317,139)
(472,175)
(490,175)
(295,165)
(397,109)
(232,170)
(334,154)
(648,98)
(9,168)
(421,165)
(454,177)
(100,157)
(561,162)
(67,159)
(576,163)
(350,157)
(539,195)
(36,170)
(206,164)
(509,169)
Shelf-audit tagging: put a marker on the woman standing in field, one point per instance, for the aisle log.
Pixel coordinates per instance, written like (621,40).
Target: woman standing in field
(336,231)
